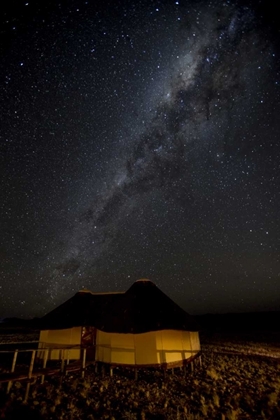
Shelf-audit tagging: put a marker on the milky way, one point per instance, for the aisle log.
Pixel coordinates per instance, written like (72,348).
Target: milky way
(184,181)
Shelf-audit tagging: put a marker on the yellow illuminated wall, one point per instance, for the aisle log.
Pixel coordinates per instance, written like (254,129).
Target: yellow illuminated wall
(145,348)
(115,348)
(195,340)
(173,346)
(155,347)
(56,339)
(150,348)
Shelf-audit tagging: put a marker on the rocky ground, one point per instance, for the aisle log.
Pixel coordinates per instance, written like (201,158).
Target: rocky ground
(227,387)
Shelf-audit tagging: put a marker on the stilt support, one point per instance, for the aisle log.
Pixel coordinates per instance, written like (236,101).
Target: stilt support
(12,370)
(84,362)
(62,361)
(30,375)
(46,353)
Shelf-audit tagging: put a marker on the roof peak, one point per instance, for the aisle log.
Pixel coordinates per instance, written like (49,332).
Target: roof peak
(100,293)
(144,281)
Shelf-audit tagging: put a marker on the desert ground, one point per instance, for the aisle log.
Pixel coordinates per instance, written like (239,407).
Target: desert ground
(239,379)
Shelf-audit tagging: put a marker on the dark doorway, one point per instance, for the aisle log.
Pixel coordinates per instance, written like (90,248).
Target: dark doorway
(88,341)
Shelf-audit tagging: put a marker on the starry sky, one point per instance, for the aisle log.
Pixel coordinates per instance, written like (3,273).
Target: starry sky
(140,139)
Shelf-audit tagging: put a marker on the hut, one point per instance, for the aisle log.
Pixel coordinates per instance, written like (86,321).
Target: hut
(141,327)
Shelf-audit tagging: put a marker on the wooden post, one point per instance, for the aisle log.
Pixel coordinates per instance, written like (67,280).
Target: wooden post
(67,361)
(192,366)
(84,362)
(27,392)
(12,370)
(14,361)
(46,353)
(96,367)
(200,360)
(111,371)
(62,361)
(30,374)
(31,364)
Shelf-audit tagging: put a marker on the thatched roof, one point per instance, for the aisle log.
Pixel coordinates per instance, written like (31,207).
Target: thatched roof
(83,309)
(142,308)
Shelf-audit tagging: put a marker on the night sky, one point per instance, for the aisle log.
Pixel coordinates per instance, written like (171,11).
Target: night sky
(140,139)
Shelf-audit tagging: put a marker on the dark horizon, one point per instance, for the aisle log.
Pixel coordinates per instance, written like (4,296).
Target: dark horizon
(232,323)
(195,314)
